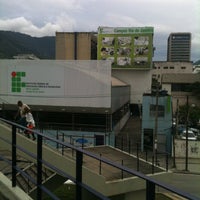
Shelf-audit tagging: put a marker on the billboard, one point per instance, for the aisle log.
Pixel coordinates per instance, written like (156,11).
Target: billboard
(126,47)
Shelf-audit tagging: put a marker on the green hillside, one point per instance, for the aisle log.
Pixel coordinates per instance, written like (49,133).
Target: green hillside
(13,43)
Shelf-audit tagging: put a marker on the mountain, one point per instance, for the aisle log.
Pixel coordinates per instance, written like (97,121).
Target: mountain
(14,43)
(197,62)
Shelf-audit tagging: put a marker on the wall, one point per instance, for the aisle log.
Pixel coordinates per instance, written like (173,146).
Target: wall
(73,46)
(120,96)
(164,123)
(193,149)
(64,46)
(160,68)
(56,83)
(139,81)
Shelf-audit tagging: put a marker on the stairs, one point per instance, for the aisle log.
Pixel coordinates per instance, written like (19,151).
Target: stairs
(26,166)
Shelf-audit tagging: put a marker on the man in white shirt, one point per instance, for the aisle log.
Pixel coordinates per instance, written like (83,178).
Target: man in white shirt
(22,119)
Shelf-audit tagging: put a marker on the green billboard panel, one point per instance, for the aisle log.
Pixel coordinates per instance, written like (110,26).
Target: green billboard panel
(126,47)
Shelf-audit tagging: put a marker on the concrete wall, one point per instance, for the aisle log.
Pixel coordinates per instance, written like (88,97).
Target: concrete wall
(120,96)
(139,81)
(160,68)
(56,83)
(73,46)
(9,192)
(193,149)
(64,42)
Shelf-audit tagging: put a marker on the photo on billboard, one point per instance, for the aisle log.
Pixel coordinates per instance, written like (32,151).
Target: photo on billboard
(124,41)
(124,51)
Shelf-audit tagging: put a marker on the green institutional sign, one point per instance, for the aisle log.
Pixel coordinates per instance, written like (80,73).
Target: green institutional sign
(126,47)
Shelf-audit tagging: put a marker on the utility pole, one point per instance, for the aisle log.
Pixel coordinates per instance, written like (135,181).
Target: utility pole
(155,142)
(186,145)
(176,133)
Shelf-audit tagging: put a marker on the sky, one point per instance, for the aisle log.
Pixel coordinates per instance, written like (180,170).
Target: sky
(44,17)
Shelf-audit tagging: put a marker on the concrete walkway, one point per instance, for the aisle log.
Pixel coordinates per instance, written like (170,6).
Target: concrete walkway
(188,181)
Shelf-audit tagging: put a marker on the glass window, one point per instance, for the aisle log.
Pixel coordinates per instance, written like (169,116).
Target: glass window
(161,110)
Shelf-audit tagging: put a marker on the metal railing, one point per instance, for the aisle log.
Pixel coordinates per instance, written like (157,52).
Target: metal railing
(150,182)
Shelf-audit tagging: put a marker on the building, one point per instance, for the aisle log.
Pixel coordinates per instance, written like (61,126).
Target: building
(177,84)
(134,44)
(26,56)
(77,95)
(175,77)
(73,45)
(157,122)
(179,47)
(162,67)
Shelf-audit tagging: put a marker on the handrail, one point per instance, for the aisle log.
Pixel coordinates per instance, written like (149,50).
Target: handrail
(150,182)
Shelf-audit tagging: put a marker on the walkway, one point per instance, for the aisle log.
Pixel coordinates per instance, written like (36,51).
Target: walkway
(103,178)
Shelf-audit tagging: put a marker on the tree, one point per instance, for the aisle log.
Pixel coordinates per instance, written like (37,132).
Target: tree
(193,115)
(195,89)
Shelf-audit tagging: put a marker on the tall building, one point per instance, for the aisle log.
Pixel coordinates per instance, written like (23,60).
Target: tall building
(73,46)
(179,47)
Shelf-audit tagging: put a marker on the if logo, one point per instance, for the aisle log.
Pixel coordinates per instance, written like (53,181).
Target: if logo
(16,79)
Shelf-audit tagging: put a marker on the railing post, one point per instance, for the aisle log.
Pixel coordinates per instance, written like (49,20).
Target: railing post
(14,154)
(152,164)
(79,163)
(122,172)
(167,163)
(100,165)
(129,146)
(39,167)
(150,190)
(63,140)
(122,143)
(146,155)
(138,160)
(57,137)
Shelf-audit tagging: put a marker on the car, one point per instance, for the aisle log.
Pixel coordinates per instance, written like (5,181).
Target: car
(191,135)
(195,131)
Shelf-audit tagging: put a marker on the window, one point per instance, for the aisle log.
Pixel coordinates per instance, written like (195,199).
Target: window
(180,87)
(161,110)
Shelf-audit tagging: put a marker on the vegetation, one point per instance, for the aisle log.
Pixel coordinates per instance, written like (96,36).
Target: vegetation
(13,43)
(194,88)
(64,192)
(193,115)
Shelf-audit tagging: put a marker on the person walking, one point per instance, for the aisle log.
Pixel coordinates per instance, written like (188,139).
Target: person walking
(30,122)
(20,117)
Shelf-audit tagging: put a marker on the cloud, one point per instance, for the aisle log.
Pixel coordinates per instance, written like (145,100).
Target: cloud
(23,25)
(45,17)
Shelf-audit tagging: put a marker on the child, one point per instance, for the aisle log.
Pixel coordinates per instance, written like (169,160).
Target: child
(30,122)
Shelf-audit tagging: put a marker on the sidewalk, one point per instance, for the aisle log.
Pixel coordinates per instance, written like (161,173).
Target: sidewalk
(193,166)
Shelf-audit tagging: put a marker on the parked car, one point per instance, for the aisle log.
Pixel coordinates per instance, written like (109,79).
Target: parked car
(195,131)
(191,135)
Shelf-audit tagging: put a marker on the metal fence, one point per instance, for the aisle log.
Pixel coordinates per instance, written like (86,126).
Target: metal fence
(79,152)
